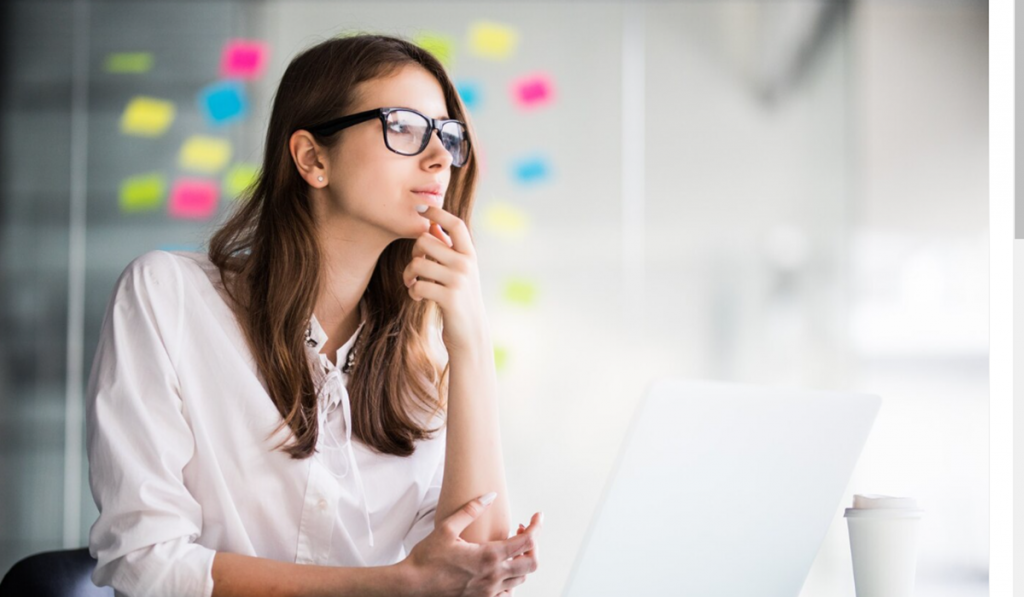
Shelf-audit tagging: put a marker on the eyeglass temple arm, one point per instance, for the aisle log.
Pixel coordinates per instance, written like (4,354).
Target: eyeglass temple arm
(333,126)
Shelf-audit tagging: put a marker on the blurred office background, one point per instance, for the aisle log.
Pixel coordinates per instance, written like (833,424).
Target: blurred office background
(787,193)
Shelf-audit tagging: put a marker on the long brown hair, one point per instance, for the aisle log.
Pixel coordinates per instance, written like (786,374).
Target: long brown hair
(270,261)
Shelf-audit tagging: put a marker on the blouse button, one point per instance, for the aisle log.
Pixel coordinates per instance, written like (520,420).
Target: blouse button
(322,504)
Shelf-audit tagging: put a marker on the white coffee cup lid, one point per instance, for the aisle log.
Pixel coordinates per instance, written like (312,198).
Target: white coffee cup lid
(874,505)
(872,501)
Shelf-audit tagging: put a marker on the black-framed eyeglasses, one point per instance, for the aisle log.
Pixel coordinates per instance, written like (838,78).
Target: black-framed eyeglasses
(406,131)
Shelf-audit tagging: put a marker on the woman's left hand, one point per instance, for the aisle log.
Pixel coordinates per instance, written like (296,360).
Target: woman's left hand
(444,269)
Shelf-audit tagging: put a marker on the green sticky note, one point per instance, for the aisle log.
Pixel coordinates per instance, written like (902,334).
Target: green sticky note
(520,291)
(142,193)
(238,178)
(500,357)
(440,45)
(128,62)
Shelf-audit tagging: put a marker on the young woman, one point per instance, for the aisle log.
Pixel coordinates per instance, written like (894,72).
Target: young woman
(272,418)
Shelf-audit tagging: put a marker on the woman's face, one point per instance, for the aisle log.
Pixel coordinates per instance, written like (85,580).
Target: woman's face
(368,184)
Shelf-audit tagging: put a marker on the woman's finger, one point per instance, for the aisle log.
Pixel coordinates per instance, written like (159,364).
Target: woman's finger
(455,227)
(514,546)
(425,289)
(520,565)
(515,581)
(422,268)
(430,246)
(435,229)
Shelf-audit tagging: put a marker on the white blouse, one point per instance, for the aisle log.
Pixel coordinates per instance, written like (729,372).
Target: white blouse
(182,464)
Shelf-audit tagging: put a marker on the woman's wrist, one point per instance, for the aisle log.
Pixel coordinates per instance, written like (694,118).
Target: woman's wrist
(404,580)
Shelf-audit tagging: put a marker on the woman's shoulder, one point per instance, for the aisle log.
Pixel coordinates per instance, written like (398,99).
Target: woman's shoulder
(163,276)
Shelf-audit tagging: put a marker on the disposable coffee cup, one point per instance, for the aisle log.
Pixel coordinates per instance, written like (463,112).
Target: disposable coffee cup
(884,533)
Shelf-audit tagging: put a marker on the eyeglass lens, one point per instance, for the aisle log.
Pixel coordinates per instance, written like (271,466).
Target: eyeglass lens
(406,132)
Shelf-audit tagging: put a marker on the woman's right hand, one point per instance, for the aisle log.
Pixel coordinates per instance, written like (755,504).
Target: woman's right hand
(445,565)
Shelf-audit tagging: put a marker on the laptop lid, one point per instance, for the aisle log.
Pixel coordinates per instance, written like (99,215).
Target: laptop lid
(722,489)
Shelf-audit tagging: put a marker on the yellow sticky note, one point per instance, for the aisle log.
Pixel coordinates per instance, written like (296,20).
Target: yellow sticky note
(520,291)
(238,178)
(147,117)
(506,220)
(492,40)
(128,62)
(500,357)
(142,193)
(440,45)
(204,154)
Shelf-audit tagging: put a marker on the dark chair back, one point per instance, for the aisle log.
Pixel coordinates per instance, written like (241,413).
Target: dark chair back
(64,573)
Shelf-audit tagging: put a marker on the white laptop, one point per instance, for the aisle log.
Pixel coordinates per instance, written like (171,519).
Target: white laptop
(722,490)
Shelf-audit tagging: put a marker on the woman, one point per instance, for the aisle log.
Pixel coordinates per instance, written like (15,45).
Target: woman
(224,383)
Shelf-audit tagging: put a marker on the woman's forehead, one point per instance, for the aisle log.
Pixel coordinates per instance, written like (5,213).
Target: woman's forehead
(409,87)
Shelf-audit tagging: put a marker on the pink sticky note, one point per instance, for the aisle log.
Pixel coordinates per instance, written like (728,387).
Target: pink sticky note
(243,59)
(532,91)
(193,199)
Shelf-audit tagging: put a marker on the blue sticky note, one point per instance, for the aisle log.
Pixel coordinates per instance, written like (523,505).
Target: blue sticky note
(223,102)
(470,93)
(531,170)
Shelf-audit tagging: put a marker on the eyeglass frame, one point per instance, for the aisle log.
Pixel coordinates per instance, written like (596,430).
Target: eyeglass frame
(332,126)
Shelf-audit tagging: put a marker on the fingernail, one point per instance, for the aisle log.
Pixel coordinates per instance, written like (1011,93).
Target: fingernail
(487,499)
(422,208)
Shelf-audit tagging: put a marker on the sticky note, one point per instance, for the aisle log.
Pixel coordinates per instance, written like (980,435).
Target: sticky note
(470,92)
(531,170)
(147,117)
(491,40)
(244,59)
(142,193)
(193,199)
(128,62)
(500,357)
(223,102)
(238,178)
(505,220)
(440,45)
(532,91)
(201,153)
(520,291)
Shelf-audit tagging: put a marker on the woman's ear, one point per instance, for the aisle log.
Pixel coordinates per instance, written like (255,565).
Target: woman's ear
(310,158)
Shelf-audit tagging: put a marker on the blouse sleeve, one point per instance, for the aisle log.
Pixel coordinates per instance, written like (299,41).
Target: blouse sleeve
(139,441)
(424,522)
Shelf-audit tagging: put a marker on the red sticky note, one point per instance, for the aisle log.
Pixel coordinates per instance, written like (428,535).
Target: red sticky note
(533,91)
(193,199)
(244,59)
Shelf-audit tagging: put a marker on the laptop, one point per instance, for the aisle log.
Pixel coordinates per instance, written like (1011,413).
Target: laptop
(722,489)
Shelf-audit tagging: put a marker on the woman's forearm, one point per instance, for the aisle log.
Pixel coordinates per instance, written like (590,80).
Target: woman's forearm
(236,575)
(474,464)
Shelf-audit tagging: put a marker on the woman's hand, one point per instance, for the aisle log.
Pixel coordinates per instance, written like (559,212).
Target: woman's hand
(533,552)
(445,565)
(444,269)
